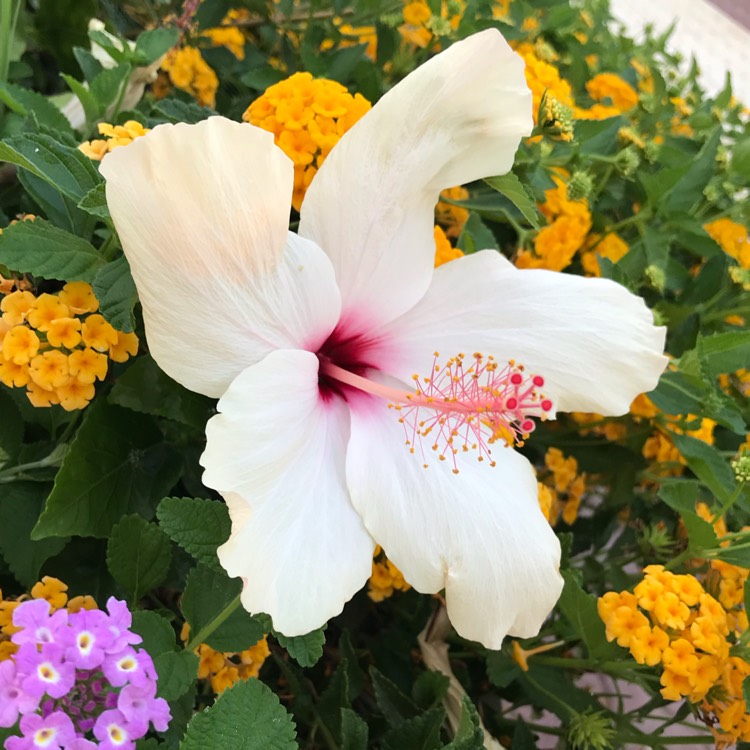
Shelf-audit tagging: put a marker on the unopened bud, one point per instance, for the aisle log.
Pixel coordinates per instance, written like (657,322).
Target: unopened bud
(554,119)
(741,467)
(580,186)
(628,161)
(591,730)
(656,277)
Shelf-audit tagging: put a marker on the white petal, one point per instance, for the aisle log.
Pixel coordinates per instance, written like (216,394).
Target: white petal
(276,453)
(203,212)
(479,534)
(457,118)
(593,341)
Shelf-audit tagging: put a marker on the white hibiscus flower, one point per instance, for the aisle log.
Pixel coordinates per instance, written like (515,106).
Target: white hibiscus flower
(308,338)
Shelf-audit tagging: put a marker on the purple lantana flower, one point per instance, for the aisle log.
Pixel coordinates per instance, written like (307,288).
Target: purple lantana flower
(77,682)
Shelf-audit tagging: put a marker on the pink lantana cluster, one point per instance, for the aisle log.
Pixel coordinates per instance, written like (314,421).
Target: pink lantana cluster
(77,682)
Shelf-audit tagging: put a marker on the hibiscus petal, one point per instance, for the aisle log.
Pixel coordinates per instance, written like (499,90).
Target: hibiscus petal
(276,453)
(479,534)
(593,341)
(457,118)
(203,211)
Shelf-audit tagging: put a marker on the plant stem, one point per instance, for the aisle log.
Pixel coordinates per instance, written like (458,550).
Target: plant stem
(213,624)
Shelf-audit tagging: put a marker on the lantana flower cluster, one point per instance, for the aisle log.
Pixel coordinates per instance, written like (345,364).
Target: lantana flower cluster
(307,116)
(386,578)
(223,669)
(687,625)
(57,345)
(561,488)
(114,136)
(77,682)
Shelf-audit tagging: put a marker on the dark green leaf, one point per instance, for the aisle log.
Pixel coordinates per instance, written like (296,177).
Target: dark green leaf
(476,236)
(248,716)
(707,464)
(207,593)
(418,733)
(157,633)
(469,734)
(689,188)
(396,706)
(175,110)
(430,688)
(147,389)
(353,731)
(90,66)
(65,168)
(510,186)
(198,526)
(138,555)
(334,698)
(20,505)
(104,478)
(580,609)
(177,672)
(95,202)
(90,105)
(115,290)
(306,649)
(108,86)
(725,352)
(11,429)
(23,101)
(40,248)
(501,669)
(151,45)
(523,738)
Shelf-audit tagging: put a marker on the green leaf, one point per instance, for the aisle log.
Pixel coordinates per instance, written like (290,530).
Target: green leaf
(334,698)
(510,186)
(108,86)
(501,669)
(198,526)
(725,352)
(580,609)
(175,110)
(469,734)
(418,733)
(306,649)
(430,688)
(90,66)
(354,732)
(65,168)
(476,235)
(90,105)
(117,464)
(207,593)
(115,290)
(523,738)
(20,505)
(151,45)
(95,202)
(138,555)
(689,188)
(682,497)
(395,705)
(176,670)
(11,429)
(707,464)
(40,248)
(248,716)
(23,101)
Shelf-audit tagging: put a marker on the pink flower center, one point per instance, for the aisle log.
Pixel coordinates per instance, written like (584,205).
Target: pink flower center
(461,406)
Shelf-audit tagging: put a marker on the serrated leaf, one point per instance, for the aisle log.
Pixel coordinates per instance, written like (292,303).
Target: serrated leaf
(42,249)
(176,673)
(476,235)
(138,555)
(108,85)
(152,44)
(580,610)
(23,101)
(115,289)
(20,505)
(395,705)
(510,186)
(306,649)
(147,389)
(157,633)
(207,594)
(198,526)
(469,734)
(725,352)
(95,202)
(418,733)
(248,716)
(707,464)
(354,732)
(175,110)
(101,480)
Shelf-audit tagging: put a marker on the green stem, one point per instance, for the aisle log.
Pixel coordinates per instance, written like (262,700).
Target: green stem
(9,11)
(110,246)
(729,503)
(54,459)
(677,561)
(211,625)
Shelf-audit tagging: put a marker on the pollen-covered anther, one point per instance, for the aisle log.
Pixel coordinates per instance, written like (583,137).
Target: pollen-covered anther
(471,403)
